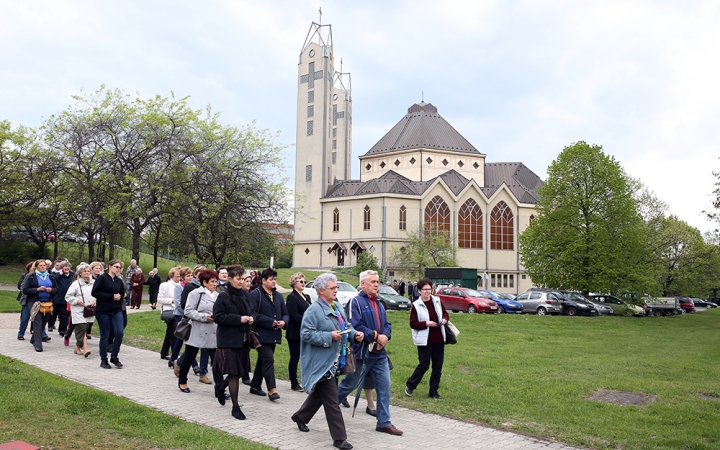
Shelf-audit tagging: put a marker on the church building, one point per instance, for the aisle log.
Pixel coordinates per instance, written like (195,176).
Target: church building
(422,173)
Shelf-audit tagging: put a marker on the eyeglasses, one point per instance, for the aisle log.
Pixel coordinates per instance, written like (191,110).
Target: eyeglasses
(300,281)
(334,288)
(426,289)
(117,267)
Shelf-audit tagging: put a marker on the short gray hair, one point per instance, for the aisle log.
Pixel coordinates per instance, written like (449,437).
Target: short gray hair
(323,280)
(64,263)
(366,274)
(80,267)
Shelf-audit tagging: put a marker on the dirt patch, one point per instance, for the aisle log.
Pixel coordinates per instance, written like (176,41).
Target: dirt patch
(622,398)
(709,397)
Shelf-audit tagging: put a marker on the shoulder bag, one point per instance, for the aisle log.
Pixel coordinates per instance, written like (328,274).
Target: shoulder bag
(350,361)
(88,311)
(184,327)
(451,333)
(167,315)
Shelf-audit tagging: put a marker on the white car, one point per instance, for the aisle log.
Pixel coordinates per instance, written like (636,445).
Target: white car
(344,294)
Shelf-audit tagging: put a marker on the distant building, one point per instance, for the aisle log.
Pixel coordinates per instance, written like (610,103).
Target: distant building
(281,232)
(421,172)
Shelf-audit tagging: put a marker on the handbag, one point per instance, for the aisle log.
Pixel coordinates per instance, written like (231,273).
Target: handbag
(88,310)
(46,308)
(254,341)
(450,336)
(167,315)
(350,362)
(184,327)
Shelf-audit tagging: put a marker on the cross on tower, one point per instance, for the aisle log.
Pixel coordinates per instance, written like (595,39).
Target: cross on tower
(311,76)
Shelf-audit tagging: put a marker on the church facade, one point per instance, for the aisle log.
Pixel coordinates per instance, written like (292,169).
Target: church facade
(422,173)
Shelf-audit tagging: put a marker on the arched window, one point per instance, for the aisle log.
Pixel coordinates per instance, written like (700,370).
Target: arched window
(403,218)
(437,216)
(470,227)
(366,218)
(501,228)
(336,220)
(532,217)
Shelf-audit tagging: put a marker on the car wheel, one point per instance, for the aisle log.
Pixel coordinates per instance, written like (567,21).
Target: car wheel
(658,313)
(571,311)
(471,309)
(541,311)
(384,305)
(501,310)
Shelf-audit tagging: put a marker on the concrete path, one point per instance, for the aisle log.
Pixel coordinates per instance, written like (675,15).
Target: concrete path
(147,380)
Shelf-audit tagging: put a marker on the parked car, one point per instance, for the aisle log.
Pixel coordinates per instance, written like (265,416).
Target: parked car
(602,310)
(344,294)
(686,304)
(703,303)
(504,305)
(463,299)
(540,303)
(576,306)
(619,307)
(394,302)
(663,306)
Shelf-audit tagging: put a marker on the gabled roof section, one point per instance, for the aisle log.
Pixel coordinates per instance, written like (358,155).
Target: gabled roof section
(422,127)
(521,181)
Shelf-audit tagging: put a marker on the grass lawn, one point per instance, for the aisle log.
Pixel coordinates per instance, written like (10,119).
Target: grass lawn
(8,302)
(70,415)
(533,374)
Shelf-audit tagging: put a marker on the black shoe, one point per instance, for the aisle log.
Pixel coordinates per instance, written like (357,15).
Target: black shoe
(219,394)
(104,364)
(259,392)
(171,365)
(38,350)
(246,382)
(88,336)
(196,370)
(237,413)
(51,329)
(117,362)
(436,397)
(274,396)
(298,388)
(21,338)
(46,339)
(345,445)
(408,391)
(372,412)
(345,403)
(300,424)
(185,390)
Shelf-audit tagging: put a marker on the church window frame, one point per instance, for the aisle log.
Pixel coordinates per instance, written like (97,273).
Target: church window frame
(470,225)
(502,223)
(437,216)
(402,222)
(336,220)
(366,218)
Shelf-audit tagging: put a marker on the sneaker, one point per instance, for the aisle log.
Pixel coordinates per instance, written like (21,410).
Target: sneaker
(408,391)
(51,329)
(46,339)
(196,370)
(298,388)
(104,364)
(117,362)
(67,342)
(345,403)
(21,338)
(436,397)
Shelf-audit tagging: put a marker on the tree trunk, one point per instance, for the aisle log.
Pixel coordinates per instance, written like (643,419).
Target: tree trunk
(156,245)
(136,240)
(111,250)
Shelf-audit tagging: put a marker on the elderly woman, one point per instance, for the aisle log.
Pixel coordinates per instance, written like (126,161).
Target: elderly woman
(296,304)
(325,334)
(96,268)
(39,287)
(79,295)
(136,282)
(199,309)
(22,299)
(166,298)
(234,318)
(427,318)
(153,282)
(109,290)
(63,279)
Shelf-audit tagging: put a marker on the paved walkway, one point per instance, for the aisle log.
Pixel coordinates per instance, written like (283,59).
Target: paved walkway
(146,380)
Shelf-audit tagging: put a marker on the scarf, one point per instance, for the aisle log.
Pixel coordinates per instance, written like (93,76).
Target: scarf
(341,321)
(41,274)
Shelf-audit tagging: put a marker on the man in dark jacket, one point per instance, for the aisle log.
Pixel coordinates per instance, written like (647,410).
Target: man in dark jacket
(270,318)
(401,288)
(63,279)
(367,314)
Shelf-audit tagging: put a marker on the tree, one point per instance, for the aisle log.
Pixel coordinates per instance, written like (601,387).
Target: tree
(426,247)
(366,261)
(588,234)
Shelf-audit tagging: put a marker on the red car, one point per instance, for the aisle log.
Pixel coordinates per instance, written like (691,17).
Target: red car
(468,300)
(686,304)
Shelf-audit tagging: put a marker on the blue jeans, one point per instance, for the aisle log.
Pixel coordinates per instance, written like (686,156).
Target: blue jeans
(25,320)
(381,375)
(105,322)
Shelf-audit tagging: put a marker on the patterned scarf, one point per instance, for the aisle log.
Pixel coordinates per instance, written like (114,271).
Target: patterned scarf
(341,321)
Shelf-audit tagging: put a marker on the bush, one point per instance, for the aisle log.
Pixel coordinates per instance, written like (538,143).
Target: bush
(18,252)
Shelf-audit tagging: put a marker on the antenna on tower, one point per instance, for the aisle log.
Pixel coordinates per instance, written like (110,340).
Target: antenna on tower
(422,96)
(320,23)
(341,65)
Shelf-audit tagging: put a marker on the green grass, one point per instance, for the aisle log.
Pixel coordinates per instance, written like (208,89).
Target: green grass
(50,411)
(8,302)
(533,374)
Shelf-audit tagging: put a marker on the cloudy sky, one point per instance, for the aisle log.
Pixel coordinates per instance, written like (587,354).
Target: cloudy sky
(520,80)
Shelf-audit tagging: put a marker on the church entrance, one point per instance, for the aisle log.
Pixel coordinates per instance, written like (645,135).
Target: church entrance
(340,257)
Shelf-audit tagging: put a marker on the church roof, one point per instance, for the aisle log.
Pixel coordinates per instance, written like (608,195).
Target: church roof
(521,181)
(422,127)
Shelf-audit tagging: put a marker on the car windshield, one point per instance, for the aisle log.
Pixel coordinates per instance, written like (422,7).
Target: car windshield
(474,293)
(385,289)
(345,287)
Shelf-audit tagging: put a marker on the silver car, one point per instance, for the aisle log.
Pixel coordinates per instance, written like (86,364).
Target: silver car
(540,303)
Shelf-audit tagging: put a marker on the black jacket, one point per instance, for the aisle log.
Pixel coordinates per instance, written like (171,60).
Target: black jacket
(63,284)
(30,286)
(296,305)
(266,312)
(104,289)
(230,305)
(154,283)
(187,290)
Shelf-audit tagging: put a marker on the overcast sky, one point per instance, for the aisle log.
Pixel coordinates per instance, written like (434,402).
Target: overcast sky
(520,80)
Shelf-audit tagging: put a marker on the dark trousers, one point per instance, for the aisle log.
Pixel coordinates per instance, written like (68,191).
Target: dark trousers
(59,315)
(247,365)
(189,357)
(294,347)
(264,367)
(325,394)
(169,338)
(153,298)
(427,353)
(38,329)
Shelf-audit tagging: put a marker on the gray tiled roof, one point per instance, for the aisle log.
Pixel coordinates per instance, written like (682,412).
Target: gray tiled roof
(422,127)
(521,181)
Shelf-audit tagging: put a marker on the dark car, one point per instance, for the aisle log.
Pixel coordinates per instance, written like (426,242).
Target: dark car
(571,307)
(395,302)
(686,304)
(603,310)
(703,303)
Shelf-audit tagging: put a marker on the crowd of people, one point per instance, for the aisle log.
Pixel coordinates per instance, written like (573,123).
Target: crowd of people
(223,314)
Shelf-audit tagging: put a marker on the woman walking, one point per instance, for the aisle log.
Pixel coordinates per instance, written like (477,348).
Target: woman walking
(137,281)
(166,298)
(39,287)
(79,295)
(296,304)
(325,335)
(234,318)
(109,291)
(427,318)
(153,282)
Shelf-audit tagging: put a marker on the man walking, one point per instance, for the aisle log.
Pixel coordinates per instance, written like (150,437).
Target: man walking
(366,314)
(128,274)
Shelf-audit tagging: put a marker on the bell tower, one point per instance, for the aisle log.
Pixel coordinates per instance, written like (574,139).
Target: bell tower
(323,141)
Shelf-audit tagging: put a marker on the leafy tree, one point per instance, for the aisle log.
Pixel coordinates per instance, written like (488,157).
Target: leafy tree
(425,247)
(588,234)
(366,261)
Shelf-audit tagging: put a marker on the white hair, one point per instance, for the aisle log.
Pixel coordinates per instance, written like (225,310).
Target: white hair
(323,280)
(367,274)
